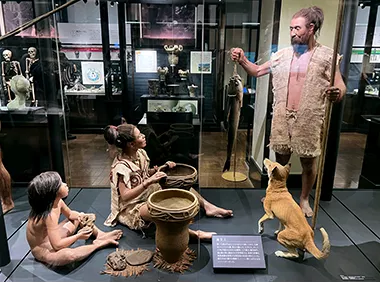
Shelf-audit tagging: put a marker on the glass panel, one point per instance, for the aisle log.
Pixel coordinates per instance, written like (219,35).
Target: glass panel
(89,106)
(32,117)
(167,69)
(357,150)
(352,141)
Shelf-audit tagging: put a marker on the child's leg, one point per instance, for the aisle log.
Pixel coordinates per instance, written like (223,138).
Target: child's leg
(68,228)
(199,234)
(5,190)
(69,255)
(115,234)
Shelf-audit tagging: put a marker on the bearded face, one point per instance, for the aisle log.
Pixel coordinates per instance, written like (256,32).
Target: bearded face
(300,33)
(299,40)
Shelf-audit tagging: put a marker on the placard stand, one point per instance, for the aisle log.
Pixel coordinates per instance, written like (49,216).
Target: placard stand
(237,253)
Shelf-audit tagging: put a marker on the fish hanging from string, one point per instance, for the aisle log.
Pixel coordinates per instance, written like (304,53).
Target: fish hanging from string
(234,104)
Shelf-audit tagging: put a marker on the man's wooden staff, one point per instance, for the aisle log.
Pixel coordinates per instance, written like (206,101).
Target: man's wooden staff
(326,125)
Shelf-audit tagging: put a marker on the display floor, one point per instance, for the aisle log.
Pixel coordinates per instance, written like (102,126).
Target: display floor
(351,220)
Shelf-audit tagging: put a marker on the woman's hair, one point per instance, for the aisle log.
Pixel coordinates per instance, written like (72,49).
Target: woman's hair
(42,192)
(312,15)
(120,135)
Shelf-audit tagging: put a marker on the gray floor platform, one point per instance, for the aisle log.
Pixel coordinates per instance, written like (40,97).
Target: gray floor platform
(350,220)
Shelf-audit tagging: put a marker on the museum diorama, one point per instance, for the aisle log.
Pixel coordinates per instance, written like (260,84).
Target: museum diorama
(189,141)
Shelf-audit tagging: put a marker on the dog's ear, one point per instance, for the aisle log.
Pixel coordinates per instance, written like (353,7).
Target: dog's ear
(274,170)
(288,165)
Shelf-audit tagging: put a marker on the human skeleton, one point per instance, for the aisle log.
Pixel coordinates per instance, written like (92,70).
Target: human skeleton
(9,69)
(32,53)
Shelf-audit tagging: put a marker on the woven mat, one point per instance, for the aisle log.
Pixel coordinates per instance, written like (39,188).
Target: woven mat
(180,266)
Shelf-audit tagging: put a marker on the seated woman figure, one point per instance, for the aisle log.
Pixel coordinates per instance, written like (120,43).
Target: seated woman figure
(132,181)
(50,240)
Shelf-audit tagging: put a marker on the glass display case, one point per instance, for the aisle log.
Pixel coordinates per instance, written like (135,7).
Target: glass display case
(160,116)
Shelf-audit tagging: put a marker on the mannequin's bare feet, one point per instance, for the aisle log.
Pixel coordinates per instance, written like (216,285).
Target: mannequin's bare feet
(305,207)
(214,211)
(6,207)
(100,243)
(115,234)
(202,235)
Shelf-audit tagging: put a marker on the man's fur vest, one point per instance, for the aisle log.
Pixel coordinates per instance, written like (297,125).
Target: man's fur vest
(307,128)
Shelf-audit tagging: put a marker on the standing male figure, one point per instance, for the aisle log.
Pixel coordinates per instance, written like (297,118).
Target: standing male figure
(301,82)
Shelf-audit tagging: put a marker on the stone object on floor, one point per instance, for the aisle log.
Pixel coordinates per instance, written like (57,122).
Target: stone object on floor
(117,265)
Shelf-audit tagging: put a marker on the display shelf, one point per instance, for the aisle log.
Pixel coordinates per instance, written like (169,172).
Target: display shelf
(174,97)
(143,121)
(166,103)
(89,93)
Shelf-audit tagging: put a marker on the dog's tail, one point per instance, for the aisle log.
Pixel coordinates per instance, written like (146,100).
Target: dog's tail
(310,246)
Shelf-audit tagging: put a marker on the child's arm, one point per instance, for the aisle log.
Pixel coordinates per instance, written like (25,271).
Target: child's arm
(55,233)
(67,212)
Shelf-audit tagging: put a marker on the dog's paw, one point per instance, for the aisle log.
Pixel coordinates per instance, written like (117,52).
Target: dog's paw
(260,228)
(279,253)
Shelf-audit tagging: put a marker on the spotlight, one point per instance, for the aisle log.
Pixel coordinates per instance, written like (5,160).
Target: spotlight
(361,5)
(112,3)
(96,2)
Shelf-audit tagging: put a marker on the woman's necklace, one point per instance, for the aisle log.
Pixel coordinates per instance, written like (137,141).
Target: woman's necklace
(134,160)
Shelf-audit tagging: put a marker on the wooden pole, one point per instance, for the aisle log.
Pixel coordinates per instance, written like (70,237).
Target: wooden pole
(328,110)
(236,133)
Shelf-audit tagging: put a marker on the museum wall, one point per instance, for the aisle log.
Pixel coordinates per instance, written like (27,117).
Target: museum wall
(289,7)
(89,13)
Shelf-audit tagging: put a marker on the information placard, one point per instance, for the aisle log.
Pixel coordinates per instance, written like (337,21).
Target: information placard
(92,73)
(200,62)
(237,252)
(146,61)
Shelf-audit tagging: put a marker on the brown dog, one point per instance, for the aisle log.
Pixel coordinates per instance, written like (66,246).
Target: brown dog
(294,231)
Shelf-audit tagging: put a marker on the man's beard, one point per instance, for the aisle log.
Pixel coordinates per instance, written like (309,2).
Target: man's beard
(300,45)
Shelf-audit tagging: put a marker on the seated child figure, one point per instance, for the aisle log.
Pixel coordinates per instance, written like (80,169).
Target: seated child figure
(50,240)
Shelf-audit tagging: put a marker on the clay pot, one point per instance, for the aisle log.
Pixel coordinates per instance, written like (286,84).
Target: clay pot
(182,176)
(172,211)
(153,86)
(173,89)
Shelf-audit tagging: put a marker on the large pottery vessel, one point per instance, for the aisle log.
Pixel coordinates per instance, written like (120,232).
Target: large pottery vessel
(172,211)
